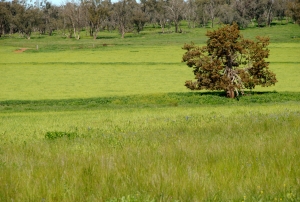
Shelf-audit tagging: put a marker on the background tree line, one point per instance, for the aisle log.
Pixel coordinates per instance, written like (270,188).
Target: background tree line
(25,17)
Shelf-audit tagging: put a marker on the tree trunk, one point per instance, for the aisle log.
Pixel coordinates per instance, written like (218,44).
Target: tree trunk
(230,93)
(162,25)
(123,31)
(78,35)
(176,27)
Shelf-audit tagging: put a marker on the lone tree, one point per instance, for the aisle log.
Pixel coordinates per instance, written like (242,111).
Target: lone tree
(229,62)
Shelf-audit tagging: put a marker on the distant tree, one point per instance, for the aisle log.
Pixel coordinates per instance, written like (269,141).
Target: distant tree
(50,18)
(280,7)
(229,62)
(17,11)
(190,13)
(212,8)
(162,15)
(5,18)
(227,14)
(139,18)
(122,15)
(202,15)
(31,19)
(242,12)
(263,11)
(74,15)
(175,8)
(294,10)
(149,7)
(97,15)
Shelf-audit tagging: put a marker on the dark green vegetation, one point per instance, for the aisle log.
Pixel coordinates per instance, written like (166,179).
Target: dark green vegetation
(190,99)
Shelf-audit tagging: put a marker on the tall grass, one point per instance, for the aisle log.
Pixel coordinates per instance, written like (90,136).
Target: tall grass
(165,154)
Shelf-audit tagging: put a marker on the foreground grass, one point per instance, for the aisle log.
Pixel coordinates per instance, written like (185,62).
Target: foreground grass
(164,154)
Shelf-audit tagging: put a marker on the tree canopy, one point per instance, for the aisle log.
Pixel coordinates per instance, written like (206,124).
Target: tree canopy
(26,16)
(229,62)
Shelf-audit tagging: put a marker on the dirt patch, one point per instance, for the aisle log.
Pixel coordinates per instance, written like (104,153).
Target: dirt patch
(108,44)
(20,50)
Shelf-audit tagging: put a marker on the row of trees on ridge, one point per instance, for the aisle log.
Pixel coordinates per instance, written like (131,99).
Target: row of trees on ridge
(24,17)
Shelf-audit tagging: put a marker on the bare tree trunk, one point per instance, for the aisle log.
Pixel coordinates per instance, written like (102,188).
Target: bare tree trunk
(230,93)
(74,31)
(123,31)
(162,25)
(78,34)
(269,16)
(176,26)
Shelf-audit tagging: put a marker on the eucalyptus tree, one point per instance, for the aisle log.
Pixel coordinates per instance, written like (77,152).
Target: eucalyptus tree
(269,7)
(98,14)
(162,14)
(237,11)
(242,11)
(294,10)
(25,17)
(31,19)
(150,8)
(227,14)
(175,8)
(122,15)
(212,9)
(229,62)
(263,11)
(139,18)
(280,7)
(50,18)
(74,16)
(201,13)
(5,17)
(17,11)
(190,13)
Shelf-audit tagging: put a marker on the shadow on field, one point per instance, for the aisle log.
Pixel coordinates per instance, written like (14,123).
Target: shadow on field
(107,37)
(223,93)
(174,99)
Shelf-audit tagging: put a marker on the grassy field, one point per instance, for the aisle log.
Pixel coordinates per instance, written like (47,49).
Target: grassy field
(110,120)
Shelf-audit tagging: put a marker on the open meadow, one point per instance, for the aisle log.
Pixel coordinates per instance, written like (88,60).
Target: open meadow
(111,120)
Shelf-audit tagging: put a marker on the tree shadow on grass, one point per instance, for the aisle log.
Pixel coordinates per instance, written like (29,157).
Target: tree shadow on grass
(223,93)
(107,37)
(149,100)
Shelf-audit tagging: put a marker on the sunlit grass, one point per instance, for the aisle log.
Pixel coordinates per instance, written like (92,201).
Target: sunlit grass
(89,80)
(111,71)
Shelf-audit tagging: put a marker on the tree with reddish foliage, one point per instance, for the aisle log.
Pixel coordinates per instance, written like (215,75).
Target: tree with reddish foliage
(229,62)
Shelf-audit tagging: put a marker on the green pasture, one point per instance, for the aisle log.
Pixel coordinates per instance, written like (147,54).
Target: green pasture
(111,71)
(111,120)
